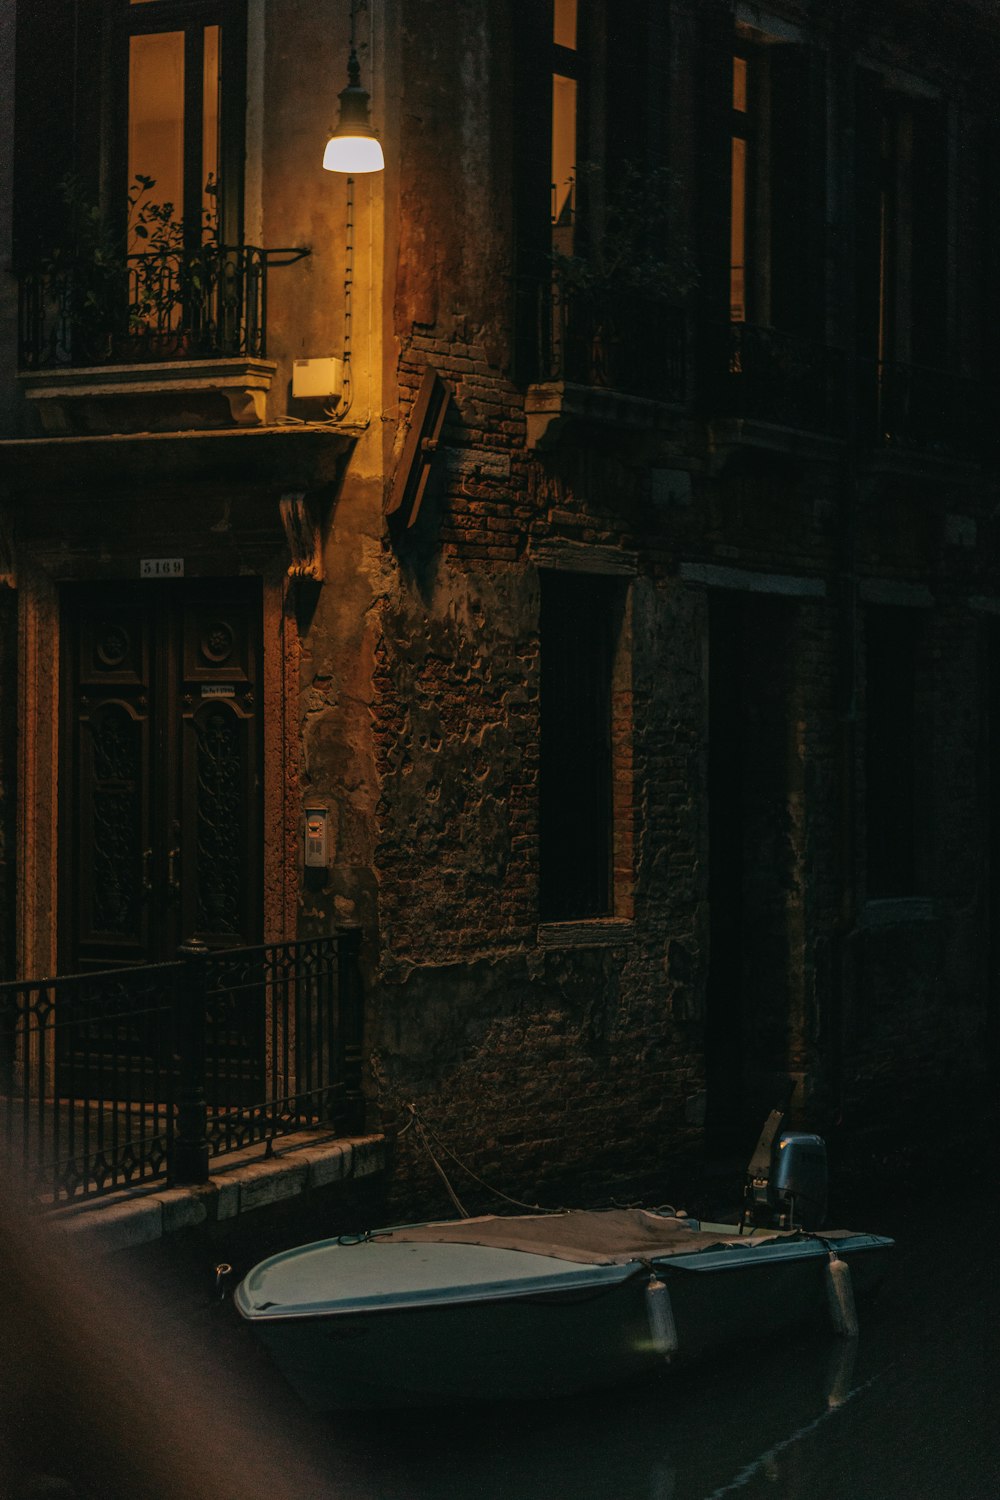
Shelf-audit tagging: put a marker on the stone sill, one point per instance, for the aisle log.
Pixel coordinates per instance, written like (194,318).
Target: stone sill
(112,397)
(917,463)
(595,932)
(241,1183)
(892,911)
(549,405)
(731,434)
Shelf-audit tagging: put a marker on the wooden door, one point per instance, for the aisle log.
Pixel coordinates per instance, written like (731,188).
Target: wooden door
(160,776)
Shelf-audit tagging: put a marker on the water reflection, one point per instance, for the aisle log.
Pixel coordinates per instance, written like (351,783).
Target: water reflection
(707,1432)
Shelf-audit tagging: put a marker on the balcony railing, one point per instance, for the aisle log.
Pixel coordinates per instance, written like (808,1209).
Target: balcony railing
(623,341)
(922,410)
(117,1078)
(764,375)
(209,302)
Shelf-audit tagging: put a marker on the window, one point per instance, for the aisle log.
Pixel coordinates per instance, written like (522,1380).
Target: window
(739,202)
(903,229)
(549,135)
(580,623)
(892,746)
(777,174)
(912,247)
(177,126)
(564,125)
(177,147)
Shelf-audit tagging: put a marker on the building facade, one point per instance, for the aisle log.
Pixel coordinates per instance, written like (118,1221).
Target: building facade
(568,555)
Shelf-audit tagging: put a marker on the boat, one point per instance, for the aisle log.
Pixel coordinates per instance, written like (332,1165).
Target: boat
(527,1307)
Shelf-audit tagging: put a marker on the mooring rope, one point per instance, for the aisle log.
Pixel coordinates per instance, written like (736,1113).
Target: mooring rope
(436,1148)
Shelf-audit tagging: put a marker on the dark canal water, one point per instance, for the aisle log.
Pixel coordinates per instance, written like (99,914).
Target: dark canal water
(174,1401)
(909,1412)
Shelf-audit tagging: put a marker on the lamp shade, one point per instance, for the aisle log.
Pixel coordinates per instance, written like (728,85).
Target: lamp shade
(353,147)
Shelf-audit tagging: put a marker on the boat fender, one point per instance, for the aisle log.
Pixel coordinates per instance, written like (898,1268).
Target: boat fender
(840,1296)
(660,1314)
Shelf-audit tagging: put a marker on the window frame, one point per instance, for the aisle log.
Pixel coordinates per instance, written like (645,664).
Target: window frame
(190,17)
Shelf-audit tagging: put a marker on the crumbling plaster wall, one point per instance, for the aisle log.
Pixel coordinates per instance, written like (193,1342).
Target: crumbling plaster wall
(542,1061)
(545,1059)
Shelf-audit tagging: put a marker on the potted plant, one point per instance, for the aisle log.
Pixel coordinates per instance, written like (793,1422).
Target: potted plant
(102,298)
(627,281)
(170,278)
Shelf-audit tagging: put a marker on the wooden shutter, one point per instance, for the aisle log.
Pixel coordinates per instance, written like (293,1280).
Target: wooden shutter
(56,115)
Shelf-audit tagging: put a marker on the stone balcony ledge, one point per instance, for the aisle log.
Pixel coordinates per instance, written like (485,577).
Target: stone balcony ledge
(550,406)
(166,396)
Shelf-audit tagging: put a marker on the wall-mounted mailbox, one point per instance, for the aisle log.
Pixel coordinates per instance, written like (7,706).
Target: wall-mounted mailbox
(317,822)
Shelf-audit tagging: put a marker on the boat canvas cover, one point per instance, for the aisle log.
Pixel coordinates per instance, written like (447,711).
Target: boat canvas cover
(605,1237)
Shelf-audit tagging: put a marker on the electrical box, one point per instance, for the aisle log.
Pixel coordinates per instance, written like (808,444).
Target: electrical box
(313,378)
(317,843)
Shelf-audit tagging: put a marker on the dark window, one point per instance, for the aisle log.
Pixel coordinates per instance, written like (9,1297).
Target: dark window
(891,750)
(579,614)
(902,218)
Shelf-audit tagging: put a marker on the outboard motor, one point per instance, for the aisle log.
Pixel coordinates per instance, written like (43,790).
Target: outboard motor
(786,1182)
(799,1180)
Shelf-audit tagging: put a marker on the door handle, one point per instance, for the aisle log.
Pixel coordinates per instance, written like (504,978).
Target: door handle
(173,879)
(147,877)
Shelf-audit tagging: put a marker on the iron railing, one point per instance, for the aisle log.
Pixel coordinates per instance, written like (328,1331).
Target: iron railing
(620,340)
(208,302)
(923,410)
(764,375)
(122,1077)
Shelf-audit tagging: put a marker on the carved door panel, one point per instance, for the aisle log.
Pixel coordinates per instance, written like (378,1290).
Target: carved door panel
(160,785)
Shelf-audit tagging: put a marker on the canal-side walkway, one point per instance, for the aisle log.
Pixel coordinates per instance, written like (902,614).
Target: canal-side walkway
(242,1183)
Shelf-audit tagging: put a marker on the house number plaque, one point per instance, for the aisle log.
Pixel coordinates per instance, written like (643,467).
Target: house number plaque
(161,567)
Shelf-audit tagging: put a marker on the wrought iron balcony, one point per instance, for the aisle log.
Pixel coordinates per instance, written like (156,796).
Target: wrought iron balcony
(922,410)
(764,375)
(624,341)
(205,303)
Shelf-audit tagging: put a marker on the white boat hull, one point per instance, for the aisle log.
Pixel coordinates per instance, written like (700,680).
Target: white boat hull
(441,1323)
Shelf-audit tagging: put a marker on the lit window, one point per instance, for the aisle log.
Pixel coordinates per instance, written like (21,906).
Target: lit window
(739,165)
(181,132)
(564,24)
(156,115)
(564,125)
(563,161)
